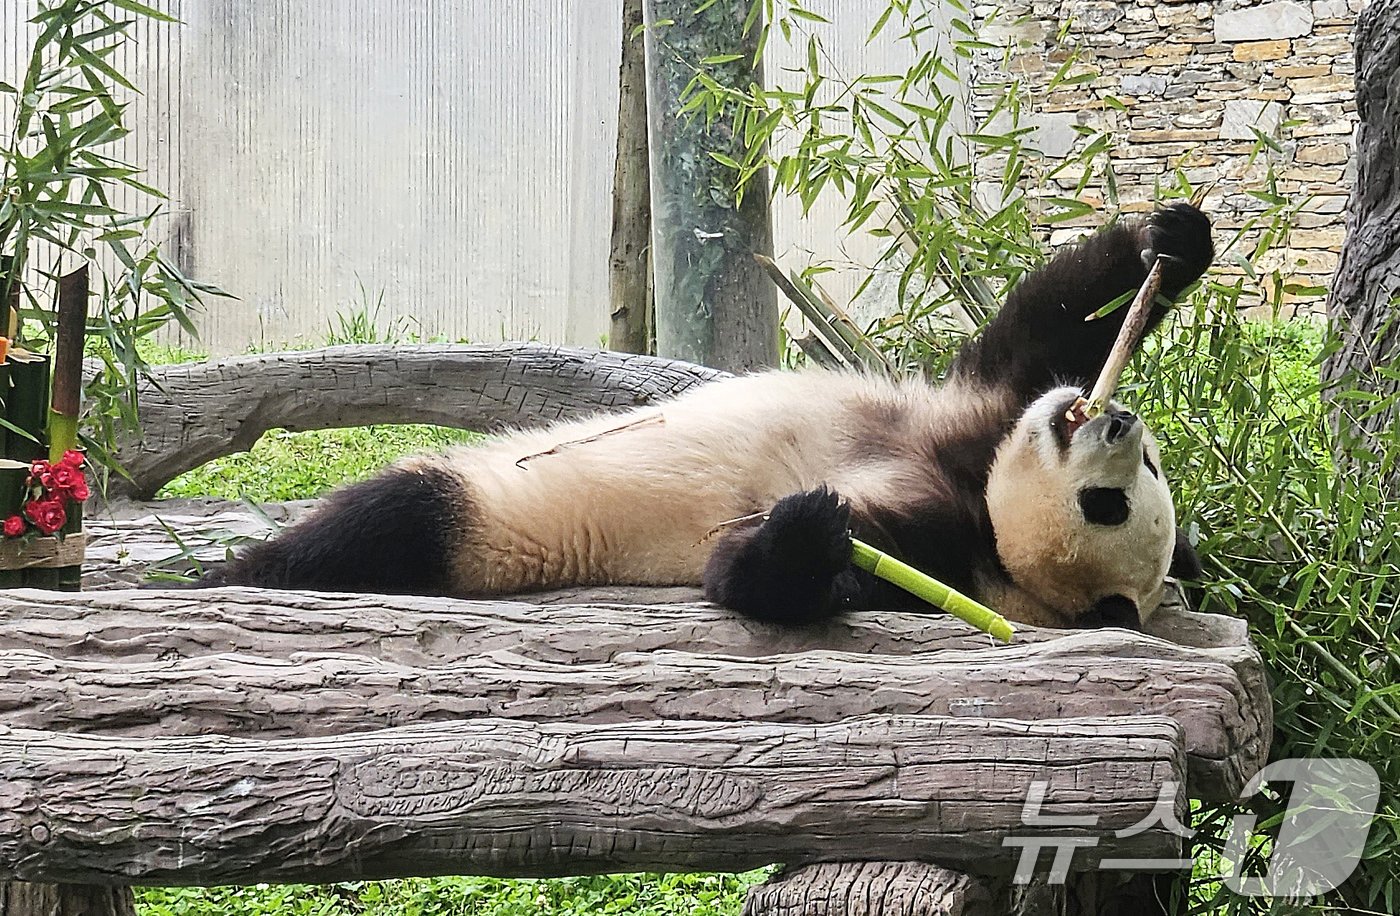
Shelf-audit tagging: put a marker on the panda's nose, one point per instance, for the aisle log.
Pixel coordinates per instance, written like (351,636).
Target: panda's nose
(1120,422)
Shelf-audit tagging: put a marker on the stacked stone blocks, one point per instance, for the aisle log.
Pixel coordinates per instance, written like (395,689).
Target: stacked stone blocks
(1194,86)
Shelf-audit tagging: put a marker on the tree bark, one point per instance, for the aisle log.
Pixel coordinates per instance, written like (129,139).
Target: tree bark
(629,266)
(1362,302)
(1217,695)
(194,412)
(714,304)
(515,798)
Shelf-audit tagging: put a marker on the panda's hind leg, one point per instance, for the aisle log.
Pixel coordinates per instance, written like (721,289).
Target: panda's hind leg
(394,533)
(794,568)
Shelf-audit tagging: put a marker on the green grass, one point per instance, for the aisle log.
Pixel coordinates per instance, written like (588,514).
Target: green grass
(284,465)
(634,895)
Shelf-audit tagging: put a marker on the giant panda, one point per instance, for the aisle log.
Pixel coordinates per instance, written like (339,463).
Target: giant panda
(988,481)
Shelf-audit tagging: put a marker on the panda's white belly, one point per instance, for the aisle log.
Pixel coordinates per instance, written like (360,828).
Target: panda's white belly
(632,497)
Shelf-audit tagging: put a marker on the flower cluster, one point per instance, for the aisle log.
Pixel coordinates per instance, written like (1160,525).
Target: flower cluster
(51,487)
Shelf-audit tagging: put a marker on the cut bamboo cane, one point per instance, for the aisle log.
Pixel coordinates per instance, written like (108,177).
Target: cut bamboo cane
(1126,341)
(68,363)
(66,403)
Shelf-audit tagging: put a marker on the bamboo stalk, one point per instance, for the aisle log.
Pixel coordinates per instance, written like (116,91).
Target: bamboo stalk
(66,403)
(1125,343)
(27,410)
(811,309)
(68,363)
(11,479)
(924,586)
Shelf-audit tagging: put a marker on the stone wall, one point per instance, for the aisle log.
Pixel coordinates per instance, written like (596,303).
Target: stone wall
(1185,86)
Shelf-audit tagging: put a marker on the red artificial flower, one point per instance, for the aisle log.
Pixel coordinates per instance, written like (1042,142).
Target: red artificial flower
(40,472)
(72,458)
(48,514)
(14,526)
(66,480)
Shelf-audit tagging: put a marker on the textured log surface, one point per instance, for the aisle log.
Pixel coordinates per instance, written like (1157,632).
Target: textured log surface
(873,889)
(141,625)
(194,412)
(514,798)
(1217,695)
(129,538)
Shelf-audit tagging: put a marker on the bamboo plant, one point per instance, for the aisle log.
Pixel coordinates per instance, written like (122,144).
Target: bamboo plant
(66,250)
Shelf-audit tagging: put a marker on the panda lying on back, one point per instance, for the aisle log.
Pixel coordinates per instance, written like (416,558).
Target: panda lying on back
(983,482)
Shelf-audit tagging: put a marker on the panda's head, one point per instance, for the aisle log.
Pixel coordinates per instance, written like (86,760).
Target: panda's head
(1082,515)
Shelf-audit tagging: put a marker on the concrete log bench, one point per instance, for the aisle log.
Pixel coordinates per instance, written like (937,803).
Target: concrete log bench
(893,763)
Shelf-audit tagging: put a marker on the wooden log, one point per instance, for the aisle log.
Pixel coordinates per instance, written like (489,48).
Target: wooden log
(515,798)
(126,538)
(901,888)
(194,412)
(151,625)
(922,889)
(21,898)
(1223,714)
(43,552)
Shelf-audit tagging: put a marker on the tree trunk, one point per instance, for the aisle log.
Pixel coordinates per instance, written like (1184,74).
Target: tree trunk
(629,266)
(499,797)
(714,304)
(1361,305)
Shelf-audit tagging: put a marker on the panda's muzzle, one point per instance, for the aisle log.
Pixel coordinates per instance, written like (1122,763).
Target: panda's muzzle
(1120,423)
(1112,426)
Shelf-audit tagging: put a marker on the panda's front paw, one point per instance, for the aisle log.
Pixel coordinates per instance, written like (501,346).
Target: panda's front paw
(810,533)
(1180,233)
(790,569)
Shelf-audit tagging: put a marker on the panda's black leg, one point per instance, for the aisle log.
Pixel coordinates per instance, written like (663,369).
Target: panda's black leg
(1040,337)
(393,533)
(794,568)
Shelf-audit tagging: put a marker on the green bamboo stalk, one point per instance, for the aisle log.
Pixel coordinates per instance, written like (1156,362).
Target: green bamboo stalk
(924,586)
(28,410)
(28,406)
(67,385)
(66,400)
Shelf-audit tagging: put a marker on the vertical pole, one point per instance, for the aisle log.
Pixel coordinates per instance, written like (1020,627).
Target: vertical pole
(66,402)
(714,304)
(629,267)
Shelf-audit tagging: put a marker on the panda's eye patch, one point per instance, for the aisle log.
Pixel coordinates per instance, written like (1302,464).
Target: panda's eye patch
(1150,466)
(1103,505)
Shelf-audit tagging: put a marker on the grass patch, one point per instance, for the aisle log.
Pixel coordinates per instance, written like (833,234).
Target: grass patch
(283,465)
(633,894)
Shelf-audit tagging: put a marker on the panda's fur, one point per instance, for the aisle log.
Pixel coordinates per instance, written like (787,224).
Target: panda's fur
(982,482)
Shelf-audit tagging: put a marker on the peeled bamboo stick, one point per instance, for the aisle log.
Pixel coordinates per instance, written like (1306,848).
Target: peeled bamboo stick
(1127,340)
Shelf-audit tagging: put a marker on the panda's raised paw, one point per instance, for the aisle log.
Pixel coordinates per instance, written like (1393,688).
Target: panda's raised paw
(1180,233)
(789,569)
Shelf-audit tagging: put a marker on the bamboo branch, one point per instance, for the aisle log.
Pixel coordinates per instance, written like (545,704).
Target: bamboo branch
(1126,342)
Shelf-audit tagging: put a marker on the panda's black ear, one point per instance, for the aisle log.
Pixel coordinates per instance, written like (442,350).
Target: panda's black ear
(1186,563)
(1111,611)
